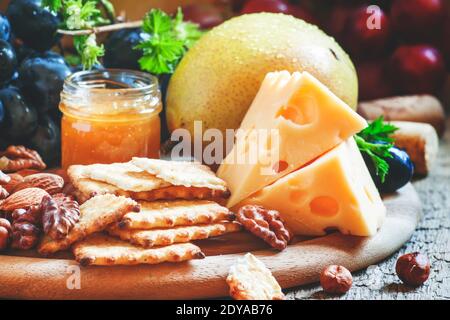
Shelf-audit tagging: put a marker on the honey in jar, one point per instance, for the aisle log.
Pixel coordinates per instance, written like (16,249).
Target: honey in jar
(110,116)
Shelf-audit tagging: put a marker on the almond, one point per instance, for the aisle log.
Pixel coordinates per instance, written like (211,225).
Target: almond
(14,180)
(23,199)
(49,182)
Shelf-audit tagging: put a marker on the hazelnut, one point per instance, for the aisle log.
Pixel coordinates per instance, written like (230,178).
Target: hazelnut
(336,279)
(413,268)
(5,233)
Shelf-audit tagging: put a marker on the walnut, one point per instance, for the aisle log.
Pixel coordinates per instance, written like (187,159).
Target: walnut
(59,215)
(26,227)
(265,224)
(16,158)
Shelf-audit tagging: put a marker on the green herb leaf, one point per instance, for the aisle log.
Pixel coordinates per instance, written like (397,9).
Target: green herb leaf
(53,5)
(378,153)
(80,15)
(89,50)
(378,130)
(187,32)
(167,42)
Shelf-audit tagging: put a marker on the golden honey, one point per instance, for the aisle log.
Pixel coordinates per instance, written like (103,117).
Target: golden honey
(109,116)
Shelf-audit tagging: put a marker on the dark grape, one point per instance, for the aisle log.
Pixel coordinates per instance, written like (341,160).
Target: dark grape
(49,55)
(401,170)
(20,119)
(8,61)
(119,49)
(47,141)
(2,113)
(5,28)
(23,52)
(41,81)
(35,25)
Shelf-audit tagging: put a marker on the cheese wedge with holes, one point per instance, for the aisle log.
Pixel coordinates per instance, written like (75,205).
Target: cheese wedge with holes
(335,192)
(293,119)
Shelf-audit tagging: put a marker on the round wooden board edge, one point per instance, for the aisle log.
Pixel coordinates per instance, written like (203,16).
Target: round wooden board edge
(299,264)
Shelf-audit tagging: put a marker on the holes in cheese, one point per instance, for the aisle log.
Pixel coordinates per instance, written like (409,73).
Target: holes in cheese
(334,191)
(309,120)
(297,195)
(301,109)
(324,206)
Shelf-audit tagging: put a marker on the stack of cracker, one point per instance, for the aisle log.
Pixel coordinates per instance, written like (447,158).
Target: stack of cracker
(179,202)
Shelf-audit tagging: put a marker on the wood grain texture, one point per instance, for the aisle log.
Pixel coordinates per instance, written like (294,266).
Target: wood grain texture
(300,263)
(432,237)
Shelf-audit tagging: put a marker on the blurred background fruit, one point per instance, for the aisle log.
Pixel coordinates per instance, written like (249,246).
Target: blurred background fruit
(417,69)
(418,19)
(207,16)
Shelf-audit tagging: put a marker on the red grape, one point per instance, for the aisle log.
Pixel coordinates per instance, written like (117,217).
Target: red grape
(367,32)
(304,14)
(275,6)
(373,82)
(417,69)
(337,20)
(207,16)
(445,42)
(418,19)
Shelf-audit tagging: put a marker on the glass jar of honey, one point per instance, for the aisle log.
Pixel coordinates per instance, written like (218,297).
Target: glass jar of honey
(110,116)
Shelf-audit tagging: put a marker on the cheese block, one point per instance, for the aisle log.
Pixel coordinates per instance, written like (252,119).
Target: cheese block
(293,119)
(335,192)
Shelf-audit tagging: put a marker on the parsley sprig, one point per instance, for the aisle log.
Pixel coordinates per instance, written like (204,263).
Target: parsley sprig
(168,40)
(376,141)
(83,14)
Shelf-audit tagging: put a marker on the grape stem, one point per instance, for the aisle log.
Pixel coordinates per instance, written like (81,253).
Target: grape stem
(106,28)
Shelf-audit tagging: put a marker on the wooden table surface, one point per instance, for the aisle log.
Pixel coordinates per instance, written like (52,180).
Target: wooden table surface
(431,237)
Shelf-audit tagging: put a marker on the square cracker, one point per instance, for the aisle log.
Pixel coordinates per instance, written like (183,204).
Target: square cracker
(184,173)
(100,249)
(249,279)
(167,214)
(95,215)
(164,237)
(88,188)
(124,176)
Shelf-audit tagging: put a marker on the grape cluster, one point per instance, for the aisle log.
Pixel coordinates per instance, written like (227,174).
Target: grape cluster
(31,78)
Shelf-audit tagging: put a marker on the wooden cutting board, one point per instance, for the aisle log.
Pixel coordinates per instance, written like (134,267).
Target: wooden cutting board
(37,278)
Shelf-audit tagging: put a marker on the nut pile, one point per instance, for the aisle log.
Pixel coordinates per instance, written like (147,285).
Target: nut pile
(31,202)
